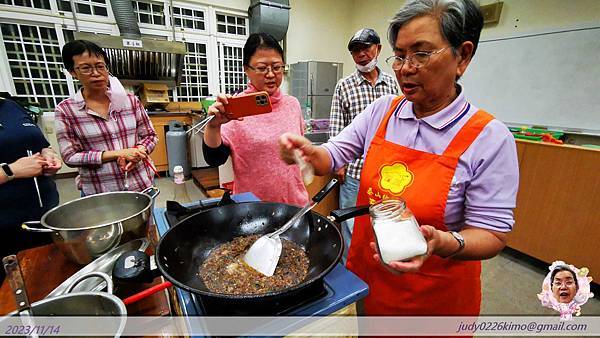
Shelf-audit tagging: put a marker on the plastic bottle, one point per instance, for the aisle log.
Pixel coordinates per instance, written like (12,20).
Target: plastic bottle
(180,194)
(307,111)
(307,118)
(397,232)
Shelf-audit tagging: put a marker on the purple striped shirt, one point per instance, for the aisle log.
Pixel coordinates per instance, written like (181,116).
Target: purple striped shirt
(484,187)
(83,136)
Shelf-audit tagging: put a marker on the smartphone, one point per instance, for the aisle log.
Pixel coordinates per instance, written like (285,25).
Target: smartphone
(248,105)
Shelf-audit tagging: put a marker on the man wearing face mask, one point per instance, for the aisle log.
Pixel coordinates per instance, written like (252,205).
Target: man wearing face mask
(352,95)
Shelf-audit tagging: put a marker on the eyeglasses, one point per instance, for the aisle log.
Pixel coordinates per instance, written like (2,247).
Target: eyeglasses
(417,59)
(276,69)
(567,283)
(87,69)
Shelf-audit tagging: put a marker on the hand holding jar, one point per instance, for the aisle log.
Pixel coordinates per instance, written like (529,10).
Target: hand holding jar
(401,244)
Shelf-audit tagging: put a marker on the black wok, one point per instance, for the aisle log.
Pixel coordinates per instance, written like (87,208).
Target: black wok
(184,248)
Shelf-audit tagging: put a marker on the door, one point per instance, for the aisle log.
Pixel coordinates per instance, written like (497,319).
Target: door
(321,106)
(323,77)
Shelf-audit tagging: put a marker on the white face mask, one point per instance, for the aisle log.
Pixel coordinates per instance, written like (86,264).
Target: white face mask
(368,67)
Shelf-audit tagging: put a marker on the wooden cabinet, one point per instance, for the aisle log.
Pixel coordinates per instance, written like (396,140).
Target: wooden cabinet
(161,125)
(558,204)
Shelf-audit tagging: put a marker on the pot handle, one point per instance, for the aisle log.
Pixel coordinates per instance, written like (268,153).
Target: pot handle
(103,275)
(151,191)
(25,226)
(348,213)
(15,279)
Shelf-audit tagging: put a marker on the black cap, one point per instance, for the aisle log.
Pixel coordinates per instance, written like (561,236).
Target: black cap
(365,36)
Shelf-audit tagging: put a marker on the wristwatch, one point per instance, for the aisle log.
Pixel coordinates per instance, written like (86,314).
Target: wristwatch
(461,243)
(6,168)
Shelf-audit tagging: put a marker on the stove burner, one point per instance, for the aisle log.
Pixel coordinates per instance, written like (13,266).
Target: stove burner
(283,306)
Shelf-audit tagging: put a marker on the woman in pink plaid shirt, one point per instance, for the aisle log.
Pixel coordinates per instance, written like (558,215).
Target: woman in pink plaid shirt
(102,129)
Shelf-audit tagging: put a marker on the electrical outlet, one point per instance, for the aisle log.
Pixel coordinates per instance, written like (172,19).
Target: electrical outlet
(491,12)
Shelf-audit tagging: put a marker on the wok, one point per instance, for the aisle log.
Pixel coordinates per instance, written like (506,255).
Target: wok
(183,248)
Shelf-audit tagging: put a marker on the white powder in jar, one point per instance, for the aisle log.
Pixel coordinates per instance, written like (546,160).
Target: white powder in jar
(399,240)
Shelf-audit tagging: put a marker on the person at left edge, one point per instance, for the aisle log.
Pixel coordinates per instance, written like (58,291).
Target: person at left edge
(101,124)
(18,196)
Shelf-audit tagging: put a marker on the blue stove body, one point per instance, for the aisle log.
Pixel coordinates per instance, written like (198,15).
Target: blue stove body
(342,287)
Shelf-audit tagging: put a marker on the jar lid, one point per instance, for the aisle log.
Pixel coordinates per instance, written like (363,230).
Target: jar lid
(386,209)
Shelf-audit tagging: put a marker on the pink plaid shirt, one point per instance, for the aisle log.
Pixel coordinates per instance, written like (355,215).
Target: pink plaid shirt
(83,136)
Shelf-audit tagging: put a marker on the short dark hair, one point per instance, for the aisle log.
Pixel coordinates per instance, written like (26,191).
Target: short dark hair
(77,47)
(560,268)
(460,20)
(258,41)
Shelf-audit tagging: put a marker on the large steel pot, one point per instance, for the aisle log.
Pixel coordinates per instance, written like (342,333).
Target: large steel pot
(83,304)
(88,227)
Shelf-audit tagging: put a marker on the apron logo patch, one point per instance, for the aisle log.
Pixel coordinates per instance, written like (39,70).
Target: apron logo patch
(395,178)
(27,124)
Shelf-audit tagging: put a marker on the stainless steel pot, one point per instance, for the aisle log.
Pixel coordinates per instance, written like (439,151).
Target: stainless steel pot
(88,227)
(84,304)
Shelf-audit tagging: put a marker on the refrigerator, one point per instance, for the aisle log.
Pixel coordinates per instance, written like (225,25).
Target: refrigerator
(313,83)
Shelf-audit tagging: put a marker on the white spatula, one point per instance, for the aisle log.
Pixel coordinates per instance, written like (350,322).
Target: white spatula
(263,255)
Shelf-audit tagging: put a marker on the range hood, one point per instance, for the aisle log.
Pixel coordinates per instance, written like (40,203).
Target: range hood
(136,59)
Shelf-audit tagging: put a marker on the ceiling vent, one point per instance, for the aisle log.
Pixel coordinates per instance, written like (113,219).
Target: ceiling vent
(271,17)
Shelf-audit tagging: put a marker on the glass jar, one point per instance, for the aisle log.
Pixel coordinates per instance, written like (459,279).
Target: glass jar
(180,191)
(397,233)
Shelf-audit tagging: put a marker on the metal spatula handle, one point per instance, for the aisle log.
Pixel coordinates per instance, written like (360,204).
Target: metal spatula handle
(293,220)
(316,199)
(15,279)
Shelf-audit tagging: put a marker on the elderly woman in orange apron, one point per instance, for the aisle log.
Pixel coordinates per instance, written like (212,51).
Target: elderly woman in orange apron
(462,165)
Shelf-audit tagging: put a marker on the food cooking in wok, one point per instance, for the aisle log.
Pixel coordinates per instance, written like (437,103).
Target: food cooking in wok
(224,271)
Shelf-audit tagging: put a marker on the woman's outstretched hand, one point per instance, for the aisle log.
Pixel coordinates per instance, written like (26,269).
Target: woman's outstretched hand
(289,142)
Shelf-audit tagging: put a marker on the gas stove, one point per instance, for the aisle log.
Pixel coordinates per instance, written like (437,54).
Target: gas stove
(340,286)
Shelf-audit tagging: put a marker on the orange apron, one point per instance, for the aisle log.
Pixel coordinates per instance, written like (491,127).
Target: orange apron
(442,286)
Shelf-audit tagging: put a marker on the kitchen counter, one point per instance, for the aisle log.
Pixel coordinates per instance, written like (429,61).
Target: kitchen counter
(44,268)
(557,213)
(169,113)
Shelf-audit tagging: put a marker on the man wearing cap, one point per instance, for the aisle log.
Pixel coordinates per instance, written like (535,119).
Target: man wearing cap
(351,96)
